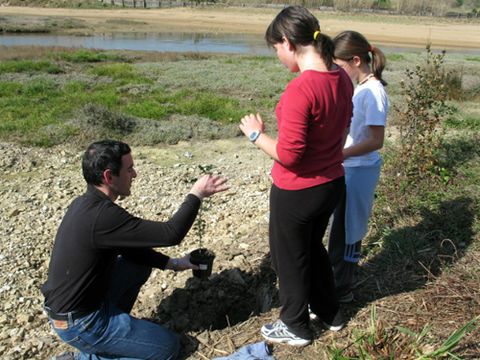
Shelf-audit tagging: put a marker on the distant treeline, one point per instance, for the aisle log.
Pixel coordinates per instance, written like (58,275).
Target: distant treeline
(451,8)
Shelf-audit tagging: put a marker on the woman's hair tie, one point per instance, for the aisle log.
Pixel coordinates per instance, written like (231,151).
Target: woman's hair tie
(316,34)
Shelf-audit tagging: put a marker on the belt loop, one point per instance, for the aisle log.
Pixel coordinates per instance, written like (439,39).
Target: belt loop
(70,317)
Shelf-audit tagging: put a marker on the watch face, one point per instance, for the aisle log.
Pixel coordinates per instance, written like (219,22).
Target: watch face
(253,135)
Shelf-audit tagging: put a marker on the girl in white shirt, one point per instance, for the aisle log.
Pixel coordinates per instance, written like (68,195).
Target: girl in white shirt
(364,64)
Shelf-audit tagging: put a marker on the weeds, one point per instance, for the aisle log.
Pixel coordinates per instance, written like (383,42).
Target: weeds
(446,348)
(381,342)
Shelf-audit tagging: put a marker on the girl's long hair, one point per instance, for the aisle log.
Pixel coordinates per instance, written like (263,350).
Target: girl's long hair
(351,43)
(300,27)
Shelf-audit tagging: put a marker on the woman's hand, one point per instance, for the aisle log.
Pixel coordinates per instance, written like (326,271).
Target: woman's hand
(268,145)
(251,123)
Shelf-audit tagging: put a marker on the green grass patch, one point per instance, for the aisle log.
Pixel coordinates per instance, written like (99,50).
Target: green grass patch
(8,88)
(40,89)
(185,102)
(31,106)
(395,57)
(29,66)
(87,56)
(121,73)
(211,106)
(467,122)
(473,58)
(150,109)
(217,90)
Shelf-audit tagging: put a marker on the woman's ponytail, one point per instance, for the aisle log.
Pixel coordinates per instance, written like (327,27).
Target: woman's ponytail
(326,48)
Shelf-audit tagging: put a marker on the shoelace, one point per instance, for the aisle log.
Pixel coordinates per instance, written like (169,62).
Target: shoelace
(282,330)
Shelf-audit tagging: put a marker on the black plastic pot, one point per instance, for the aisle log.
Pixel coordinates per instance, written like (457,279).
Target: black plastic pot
(204,259)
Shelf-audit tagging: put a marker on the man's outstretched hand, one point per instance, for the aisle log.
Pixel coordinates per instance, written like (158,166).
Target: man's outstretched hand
(208,185)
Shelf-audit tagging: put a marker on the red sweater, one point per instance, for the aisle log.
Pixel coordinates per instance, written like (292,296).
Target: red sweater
(312,116)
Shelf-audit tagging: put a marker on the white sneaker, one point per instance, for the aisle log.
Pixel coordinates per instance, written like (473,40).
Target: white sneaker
(278,333)
(336,324)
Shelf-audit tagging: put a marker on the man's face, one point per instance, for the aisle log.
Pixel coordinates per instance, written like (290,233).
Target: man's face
(121,184)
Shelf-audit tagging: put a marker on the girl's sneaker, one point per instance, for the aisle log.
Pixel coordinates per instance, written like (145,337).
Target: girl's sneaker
(335,324)
(278,333)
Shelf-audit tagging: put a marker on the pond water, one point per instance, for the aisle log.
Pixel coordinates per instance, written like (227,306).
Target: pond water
(164,42)
(169,42)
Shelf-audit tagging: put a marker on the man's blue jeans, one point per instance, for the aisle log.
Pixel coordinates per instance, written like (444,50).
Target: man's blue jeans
(111,333)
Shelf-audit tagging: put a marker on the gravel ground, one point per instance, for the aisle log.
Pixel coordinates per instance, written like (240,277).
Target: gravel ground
(215,316)
(36,187)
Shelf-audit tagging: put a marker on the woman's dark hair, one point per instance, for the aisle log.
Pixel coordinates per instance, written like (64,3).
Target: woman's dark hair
(102,155)
(300,27)
(351,43)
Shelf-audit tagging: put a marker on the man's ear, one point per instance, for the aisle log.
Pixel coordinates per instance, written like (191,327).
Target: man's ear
(107,176)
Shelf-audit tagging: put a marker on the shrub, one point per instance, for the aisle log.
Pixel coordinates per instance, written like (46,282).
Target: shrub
(420,119)
(110,122)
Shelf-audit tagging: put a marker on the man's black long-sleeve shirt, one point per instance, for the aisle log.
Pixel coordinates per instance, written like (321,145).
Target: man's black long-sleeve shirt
(92,234)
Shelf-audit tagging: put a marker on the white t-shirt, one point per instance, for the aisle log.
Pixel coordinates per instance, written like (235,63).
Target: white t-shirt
(370,107)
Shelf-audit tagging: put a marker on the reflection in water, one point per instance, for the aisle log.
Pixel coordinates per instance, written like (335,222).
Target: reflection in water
(166,42)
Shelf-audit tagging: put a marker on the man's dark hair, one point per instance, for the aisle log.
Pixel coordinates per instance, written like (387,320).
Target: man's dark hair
(102,155)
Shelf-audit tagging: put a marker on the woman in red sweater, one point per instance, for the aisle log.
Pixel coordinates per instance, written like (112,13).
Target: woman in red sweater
(313,115)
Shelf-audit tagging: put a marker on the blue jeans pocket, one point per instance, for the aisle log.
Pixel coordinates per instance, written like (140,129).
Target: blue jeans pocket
(85,332)
(72,337)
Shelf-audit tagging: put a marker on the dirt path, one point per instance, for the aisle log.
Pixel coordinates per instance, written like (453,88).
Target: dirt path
(393,31)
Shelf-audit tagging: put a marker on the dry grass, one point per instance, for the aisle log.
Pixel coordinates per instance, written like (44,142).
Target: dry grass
(445,304)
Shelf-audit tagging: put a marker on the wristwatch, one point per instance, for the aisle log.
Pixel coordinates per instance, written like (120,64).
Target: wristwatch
(254,135)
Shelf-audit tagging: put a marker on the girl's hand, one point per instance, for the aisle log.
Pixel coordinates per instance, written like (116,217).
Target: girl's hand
(251,123)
